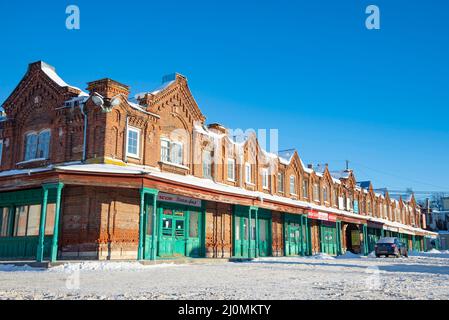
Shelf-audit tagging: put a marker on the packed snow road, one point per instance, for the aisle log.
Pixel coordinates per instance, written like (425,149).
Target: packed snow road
(422,276)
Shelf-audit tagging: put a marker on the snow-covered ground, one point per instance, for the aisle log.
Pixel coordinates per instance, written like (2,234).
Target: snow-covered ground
(421,276)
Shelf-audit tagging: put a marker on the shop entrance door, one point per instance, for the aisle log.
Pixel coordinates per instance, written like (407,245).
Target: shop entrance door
(328,238)
(173,236)
(264,237)
(294,239)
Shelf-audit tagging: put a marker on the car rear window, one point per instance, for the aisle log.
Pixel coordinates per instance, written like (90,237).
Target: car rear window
(386,240)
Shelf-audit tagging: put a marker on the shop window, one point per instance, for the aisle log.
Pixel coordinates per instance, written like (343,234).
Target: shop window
(231,169)
(253,229)
(245,229)
(20,221)
(133,142)
(237,228)
(4,222)
(167,225)
(179,225)
(193,224)
(50,220)
(37,145)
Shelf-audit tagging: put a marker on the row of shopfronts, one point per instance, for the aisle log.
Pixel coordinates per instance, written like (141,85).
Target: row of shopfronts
(171,226)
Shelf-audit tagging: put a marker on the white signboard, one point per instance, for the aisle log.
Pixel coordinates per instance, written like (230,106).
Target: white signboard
(171,198)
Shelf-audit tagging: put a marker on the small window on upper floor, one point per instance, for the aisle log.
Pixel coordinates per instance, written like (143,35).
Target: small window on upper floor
(231,169)
(305,188)
(37,145)
(207,164)
(292,185)
(248,173)
(316,192)
(133,143)
(265,184)
(280,182)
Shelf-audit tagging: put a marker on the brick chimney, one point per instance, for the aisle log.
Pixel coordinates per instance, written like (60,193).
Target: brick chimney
(108,88)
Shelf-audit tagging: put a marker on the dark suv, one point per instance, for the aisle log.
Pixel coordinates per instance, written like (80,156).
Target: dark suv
(390,246)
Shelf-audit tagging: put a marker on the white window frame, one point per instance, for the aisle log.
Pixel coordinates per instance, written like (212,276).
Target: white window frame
(305,188)
(138,132)
(181,160)
(248,173)
(230,173)
(292,184)
(207,166)
(316,192)
(281,182)
(168,150)
(37,145)
(265,184)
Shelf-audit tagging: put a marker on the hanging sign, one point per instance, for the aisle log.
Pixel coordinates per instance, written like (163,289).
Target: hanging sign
(313,214)
(171,198)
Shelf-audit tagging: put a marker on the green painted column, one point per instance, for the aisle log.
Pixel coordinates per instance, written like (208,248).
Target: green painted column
(284,235)
(365,240)
(141,225)
(256,211)
(43,219)
(301,236)
(309,237)
(54,242)
(154,227)
(339,242)
(250,226)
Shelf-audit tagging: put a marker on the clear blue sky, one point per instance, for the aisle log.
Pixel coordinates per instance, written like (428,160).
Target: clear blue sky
(334,89)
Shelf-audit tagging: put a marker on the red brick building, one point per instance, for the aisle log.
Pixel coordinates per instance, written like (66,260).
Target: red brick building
(99,175)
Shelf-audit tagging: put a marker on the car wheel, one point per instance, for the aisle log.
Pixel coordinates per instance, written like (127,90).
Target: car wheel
(377,255)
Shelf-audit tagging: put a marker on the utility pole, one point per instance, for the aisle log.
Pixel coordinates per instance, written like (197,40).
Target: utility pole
(347,165)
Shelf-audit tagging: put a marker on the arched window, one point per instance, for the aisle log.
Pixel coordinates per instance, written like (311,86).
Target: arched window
(37,145)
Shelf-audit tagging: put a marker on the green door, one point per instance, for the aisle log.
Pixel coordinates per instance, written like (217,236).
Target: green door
(264,237)
(241,235)
(180,232)
(293,239)
(328,238)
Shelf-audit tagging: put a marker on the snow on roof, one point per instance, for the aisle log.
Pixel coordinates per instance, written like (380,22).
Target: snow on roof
(50,71)
(139,107)
(156,91)
(343,174)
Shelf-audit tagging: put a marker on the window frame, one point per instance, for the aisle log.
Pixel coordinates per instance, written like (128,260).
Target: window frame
(138,132)
(305,188)
(265,182)
(248,173)
(281,182)
(230,161)
(209,165)
(292,190)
